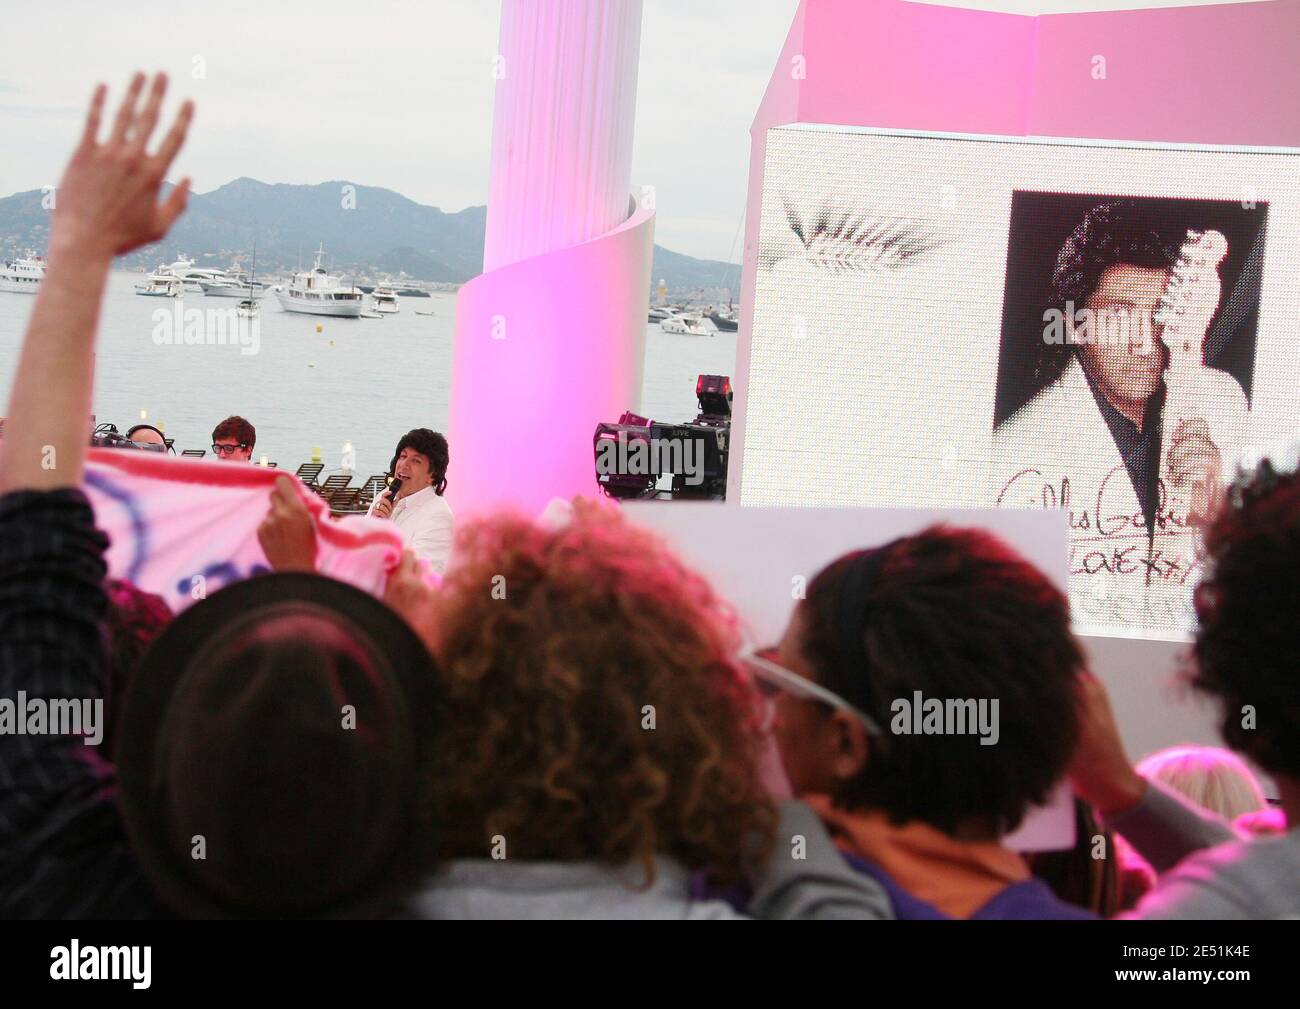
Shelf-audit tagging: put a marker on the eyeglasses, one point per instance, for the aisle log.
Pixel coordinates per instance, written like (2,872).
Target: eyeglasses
(771,679)
(220,449)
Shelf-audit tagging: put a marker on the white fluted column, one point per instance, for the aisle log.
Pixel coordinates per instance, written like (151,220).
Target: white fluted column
(550,338)
(563,124)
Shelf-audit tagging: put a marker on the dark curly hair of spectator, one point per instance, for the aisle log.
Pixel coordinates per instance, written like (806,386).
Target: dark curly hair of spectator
(1246,650)
(557,646)
(954,614)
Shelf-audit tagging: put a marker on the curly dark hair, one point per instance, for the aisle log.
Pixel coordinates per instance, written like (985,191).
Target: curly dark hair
(1111,233)
(239,429)
(1246,650)
(557,646)
(431,445)
(954,614)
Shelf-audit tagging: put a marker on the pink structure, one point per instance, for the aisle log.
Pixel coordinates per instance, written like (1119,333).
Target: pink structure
(525,404)
(1224,74)
(550,338)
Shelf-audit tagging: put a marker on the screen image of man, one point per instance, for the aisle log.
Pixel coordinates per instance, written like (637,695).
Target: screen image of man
(233,440)
(418,508)
(1094,438)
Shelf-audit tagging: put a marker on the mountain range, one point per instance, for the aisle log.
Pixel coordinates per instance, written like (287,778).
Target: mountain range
(366,230)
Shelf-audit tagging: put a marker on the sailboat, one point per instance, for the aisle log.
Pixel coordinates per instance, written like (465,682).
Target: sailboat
(248,308)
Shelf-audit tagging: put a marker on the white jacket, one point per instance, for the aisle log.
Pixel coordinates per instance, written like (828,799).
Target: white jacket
(1057,451)
(426,522)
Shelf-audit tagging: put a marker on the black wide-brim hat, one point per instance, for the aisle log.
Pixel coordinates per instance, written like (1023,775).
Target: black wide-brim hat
(399,670)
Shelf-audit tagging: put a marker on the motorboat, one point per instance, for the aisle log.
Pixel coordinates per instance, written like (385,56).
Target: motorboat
(685,325)
(384,300)
(725,319)
(161,285)
(233,283)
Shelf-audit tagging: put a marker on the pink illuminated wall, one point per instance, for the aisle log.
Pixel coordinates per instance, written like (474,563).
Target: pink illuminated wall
(1225,74)
(546,348)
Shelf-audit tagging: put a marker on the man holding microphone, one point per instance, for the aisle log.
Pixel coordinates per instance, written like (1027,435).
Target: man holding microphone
(414,501)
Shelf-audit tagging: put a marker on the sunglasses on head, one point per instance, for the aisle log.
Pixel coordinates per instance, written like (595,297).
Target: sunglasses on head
(771,678)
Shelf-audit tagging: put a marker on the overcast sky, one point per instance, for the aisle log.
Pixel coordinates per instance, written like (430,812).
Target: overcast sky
(396,94)
(385,94)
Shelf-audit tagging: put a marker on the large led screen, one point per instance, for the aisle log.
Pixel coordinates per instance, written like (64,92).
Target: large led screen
(1101,328)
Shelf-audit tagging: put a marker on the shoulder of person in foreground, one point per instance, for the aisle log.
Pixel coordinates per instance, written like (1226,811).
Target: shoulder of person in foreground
(1165,828)
(806,876)
(1240,879)
(62,850)
(1208,870)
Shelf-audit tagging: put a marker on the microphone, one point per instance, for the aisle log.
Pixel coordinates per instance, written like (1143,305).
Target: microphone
(393,488)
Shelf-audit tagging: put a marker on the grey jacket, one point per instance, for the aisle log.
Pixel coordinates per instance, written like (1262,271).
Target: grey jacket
(819,885)
(1212,872)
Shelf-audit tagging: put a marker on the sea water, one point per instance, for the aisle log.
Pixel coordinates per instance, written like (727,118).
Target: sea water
(358,383)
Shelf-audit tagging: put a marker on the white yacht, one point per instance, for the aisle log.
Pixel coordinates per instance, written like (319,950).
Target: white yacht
(23,275)
(385,300)
(233,283)
(316,292)
(184,270)
(161,285)
(685,325)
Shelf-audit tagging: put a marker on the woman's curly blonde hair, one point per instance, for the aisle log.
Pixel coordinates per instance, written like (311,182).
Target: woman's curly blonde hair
(595,710)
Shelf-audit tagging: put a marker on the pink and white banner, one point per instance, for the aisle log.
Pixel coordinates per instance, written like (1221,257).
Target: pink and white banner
(184,528)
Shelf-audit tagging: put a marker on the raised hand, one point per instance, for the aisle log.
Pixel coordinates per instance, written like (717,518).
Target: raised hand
(413,597)
(1196,470)
(106,204)
(1100,771)
(288,533)
(107,201)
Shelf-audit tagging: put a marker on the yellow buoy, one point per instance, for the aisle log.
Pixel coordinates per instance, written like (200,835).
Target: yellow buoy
(320,328)
(311,364)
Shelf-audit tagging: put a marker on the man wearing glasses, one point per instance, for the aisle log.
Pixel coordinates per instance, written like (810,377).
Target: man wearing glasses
(233,440)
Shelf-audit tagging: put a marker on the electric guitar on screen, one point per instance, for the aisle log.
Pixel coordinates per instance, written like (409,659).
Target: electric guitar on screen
(1183,318)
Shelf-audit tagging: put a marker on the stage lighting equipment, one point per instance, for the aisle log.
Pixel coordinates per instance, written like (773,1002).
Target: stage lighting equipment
(707,438)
